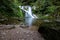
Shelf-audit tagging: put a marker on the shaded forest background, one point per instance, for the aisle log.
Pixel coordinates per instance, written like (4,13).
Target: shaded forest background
(44,9)
(10,8)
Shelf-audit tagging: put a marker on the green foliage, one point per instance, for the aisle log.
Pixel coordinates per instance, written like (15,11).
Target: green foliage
(9,8)
(26,2)
(50,7)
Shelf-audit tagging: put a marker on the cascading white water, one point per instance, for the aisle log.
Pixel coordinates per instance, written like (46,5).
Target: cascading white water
(29,12)
(29,17)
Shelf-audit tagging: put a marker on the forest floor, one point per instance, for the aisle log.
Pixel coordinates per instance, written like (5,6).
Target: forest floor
(19,33)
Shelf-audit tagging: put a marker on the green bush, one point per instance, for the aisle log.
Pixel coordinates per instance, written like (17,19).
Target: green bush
(10,8)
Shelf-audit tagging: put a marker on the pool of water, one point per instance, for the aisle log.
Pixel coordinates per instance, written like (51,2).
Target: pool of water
(29,21)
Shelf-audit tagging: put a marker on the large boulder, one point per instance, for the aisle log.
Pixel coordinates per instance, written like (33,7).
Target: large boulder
(49,32)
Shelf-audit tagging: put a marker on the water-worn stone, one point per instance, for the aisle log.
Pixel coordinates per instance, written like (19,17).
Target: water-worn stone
(20,34)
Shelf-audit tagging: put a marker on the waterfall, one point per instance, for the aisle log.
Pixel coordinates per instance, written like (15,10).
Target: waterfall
(29,17)
(29,12)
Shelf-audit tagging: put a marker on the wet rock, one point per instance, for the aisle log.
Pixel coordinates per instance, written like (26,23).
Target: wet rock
(17,32)
(49,33)
(7,27)
(4,33)
(22,25)
(20,34)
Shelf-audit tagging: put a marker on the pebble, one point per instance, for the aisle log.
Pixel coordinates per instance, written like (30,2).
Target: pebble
(3,33)
(2,37)
(22,39)
(28,35)
(17,32)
